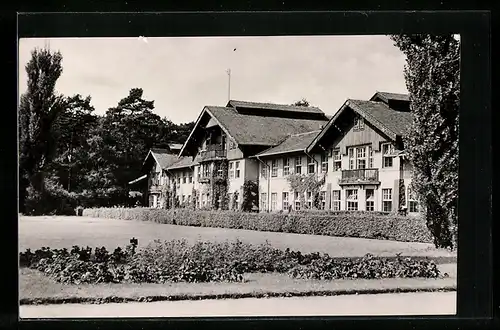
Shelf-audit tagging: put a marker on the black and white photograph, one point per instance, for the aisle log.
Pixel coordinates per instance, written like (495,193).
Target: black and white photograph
(238,176)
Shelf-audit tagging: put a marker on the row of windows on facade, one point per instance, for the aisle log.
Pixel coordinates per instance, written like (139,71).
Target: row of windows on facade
(351,200)
(359,158)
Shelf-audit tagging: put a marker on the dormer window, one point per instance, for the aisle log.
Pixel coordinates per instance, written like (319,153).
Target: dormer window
(359,123)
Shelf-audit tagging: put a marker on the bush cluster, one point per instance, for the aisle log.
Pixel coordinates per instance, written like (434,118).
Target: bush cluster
(176,260)
(343,224)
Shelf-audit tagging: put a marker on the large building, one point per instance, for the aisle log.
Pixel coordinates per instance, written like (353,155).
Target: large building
(355,157)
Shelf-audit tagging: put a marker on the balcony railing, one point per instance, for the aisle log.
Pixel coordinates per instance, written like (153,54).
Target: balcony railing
(360,176)
(214,151)
(204,179)
(155,186)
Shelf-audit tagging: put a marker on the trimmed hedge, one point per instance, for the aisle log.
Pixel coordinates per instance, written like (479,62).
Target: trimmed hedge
(341,224)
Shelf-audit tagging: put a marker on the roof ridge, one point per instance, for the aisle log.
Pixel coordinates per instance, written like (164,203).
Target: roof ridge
(277,104)
(304,133)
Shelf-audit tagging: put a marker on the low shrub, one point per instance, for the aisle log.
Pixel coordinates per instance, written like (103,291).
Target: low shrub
(375,225)
(175,261)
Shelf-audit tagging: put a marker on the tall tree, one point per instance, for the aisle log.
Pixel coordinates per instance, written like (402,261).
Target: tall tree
(130,129)
(38,109)
(432,74)
(71,131)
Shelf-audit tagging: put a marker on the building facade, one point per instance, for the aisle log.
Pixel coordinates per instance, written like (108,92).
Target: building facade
(355,159)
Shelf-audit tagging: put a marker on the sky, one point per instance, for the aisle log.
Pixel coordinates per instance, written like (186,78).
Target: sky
(182,74)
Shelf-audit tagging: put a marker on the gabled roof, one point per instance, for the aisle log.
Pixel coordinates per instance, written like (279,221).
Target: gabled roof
(386,97)
(162,156)
(272,106)
(183,162)
(379,113)
(391,122)
(251,129)
(293,143)
(261,130)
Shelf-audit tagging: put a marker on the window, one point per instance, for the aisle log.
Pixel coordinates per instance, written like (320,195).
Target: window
(263,170)
(274,168)
(219,170)
(297,201)
(286,166)
(413,206)
(183,199)
(274,200)
(199,171)
(286,204)
(237,166)
(190,177)
(361,157)
(352,165)
(189,199)
(206,170)
(231,170)
(236,198)
(387,200)
(370,157)
(322,200)
(310,165)
(337,160)
(336,200)
(309,200)
(370,200)
(352,199)
(324,163)
(263,201)
(184,177)
(298,165)
(359,123)
(178,179)
(358,159)
(387,152)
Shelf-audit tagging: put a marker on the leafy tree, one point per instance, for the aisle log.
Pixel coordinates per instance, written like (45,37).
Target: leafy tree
(39,107)
(302,103)
(432,74)
(129,131)
(71,131)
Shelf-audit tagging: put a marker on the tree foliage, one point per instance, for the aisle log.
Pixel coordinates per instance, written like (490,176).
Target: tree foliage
(39,108)
(302,103)
(432,74)
(70,156)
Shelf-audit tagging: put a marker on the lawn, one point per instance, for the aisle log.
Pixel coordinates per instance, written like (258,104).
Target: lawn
(36,288)
(64,232)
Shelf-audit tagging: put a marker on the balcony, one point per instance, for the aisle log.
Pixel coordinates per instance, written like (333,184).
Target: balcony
(360,176)
(155,187)
(218,178)
(213,152)
(204,179)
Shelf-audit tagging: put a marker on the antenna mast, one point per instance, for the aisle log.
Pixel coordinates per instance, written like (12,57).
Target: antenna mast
(228,85)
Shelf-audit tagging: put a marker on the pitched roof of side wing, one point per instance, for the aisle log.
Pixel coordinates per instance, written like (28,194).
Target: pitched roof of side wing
(293,143)
(163,157)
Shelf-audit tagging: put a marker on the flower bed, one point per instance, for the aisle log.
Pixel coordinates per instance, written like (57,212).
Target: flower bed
(177,261)
(342,224)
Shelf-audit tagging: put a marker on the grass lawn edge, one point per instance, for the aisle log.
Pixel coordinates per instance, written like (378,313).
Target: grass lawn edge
(270,294)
